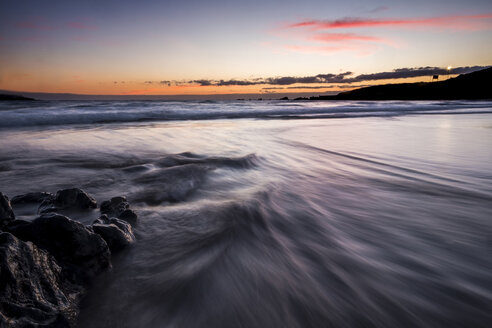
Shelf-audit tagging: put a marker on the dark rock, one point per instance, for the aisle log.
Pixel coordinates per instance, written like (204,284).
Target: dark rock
(73,198)
(115,206)
(80,252)
(31,197)
(33,291)
(117,233)
(47,206)
(120,208)
(129,216)
(6,213)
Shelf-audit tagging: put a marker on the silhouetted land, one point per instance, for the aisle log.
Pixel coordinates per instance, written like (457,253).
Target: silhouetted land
(476,85)
(14,97)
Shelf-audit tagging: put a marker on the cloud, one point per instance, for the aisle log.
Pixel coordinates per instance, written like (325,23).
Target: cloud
(312,87)
(336,37)
(32,38)
(358,49)
(202,82)
(79,25)
(377,10)
(401,73)
(38,28)
(80,38)
(465,22)
(283,80)
(34,25)
(305,36)
(286,82)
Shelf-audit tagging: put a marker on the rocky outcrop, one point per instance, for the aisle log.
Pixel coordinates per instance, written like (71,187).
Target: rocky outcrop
(82,253)
(73,198)
(117,233)
(32,198)
(10,97)
(46,263)
(33,289)
(119,207)
(6,213)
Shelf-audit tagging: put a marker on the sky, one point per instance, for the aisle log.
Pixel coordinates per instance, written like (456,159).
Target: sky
(225,47)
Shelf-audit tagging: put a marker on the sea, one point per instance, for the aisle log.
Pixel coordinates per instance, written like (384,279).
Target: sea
(273,213)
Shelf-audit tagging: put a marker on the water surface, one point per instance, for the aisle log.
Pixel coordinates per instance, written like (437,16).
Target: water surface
(252,215)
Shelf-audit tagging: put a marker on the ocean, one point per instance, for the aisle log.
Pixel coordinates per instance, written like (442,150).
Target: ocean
(274,213)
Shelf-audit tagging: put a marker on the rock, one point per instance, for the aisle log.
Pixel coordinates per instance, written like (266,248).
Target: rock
(33,291)
(31,197)
(129,216)
(114,206)
(120,208)
(73,198)
(6,213)
(47,206)
(80,252)
(117,233)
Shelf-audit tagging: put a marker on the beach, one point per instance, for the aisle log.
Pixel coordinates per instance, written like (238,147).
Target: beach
(273,213)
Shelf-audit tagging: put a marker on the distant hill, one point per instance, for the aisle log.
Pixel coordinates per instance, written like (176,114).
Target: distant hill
(476,85)
(14,97)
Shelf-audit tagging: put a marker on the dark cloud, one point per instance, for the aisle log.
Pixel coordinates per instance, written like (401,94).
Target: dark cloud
(203,83)
(236,82)
(349,86)
(377,10)
(311,87)
(341,78)
(401,73)
(284,80)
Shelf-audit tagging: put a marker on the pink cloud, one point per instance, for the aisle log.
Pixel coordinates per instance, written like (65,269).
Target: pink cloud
(461,22)
(358,49)
(80,38)
(80,26)
(34,25)
(349,37)
(337,37)
(32,38)
(39,24)
(317,49)
(309,31)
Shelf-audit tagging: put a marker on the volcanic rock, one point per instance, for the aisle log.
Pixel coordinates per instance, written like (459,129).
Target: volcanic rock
(33,291)
(73,198)
(117,233)
(120,208)
(32,197)
(81,253)
(6,213)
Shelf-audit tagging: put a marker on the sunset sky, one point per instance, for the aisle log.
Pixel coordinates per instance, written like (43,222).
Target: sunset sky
(219,47)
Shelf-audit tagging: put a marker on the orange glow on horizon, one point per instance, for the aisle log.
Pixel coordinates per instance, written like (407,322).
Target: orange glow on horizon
(78,85)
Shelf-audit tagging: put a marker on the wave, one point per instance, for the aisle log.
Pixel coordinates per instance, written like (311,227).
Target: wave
(53,113)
